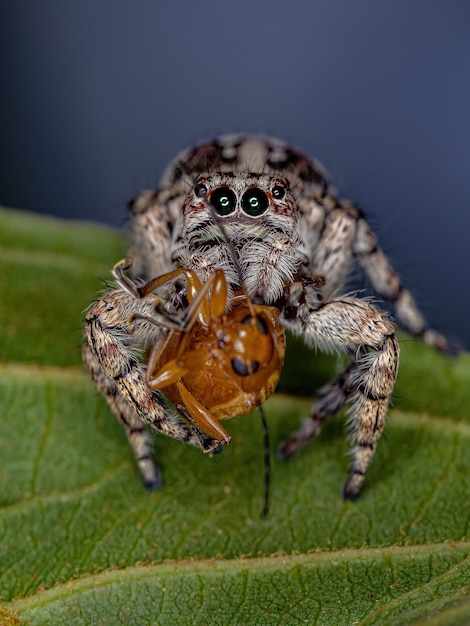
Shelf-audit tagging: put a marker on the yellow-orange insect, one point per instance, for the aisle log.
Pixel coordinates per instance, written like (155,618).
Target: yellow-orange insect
(215,363)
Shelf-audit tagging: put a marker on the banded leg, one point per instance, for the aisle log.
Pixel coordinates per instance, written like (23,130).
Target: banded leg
(344,234)
(152,216)
(139,439)
(387,284)
(359,328)
(121,378)
(331,254)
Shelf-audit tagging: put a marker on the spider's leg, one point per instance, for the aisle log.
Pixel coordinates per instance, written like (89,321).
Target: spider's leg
(387,284)
(337,234)
(328,401)
(152,217)
(121,377)
(367,334)
(138,437)
(331,229)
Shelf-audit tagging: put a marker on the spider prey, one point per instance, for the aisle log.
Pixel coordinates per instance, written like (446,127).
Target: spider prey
(286,225)
(212,365)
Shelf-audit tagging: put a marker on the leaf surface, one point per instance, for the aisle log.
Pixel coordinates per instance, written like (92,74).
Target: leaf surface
(83,543)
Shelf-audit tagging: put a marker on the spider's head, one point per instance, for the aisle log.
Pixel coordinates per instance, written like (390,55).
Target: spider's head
(260,219)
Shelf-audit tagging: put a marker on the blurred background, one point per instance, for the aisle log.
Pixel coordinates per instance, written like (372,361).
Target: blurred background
(98,96)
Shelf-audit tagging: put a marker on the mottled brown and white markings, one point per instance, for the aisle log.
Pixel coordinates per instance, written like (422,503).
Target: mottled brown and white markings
(286,225)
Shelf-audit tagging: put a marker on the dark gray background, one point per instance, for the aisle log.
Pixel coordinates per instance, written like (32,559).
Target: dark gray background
(97,96)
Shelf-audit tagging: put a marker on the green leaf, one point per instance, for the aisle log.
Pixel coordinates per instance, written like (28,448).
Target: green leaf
(50,271)
(83,543)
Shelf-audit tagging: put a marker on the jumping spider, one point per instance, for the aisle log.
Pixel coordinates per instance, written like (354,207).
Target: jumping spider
(286,225)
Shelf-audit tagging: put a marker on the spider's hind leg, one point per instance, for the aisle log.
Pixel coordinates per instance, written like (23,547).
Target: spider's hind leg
(329,400)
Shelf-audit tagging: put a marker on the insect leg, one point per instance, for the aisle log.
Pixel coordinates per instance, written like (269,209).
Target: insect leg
(202,417)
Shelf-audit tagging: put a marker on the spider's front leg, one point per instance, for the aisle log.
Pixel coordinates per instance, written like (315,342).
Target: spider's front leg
(113,333)
(368,336)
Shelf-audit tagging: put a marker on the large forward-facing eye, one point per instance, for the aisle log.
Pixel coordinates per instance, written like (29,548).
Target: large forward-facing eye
(224,200)
(254,201)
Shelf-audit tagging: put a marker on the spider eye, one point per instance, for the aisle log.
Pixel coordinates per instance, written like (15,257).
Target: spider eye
(279,192)
(255,202)
(200,190)
(224,200)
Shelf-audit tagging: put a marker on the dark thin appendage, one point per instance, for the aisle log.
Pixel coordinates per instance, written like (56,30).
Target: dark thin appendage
(267,464)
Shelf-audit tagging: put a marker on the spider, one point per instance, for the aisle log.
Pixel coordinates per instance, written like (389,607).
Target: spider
(281,216)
